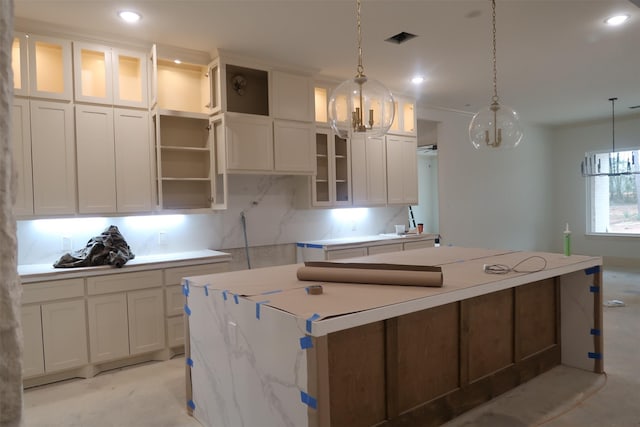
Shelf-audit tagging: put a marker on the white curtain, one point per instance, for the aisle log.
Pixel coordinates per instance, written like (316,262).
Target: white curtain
(10,288)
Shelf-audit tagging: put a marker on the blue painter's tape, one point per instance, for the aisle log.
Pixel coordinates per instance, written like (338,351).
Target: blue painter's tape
(271,292)
(306,342)
(191,404)
(311,402)
(311,319)
(235,299)
(314,246)
(224,295)
(594,289)
(596,332)
(206,290)
(592,270)
(187,310)
(306,289)
(597,356)
(258,304)
(185,290)
(189,361)
(300,245)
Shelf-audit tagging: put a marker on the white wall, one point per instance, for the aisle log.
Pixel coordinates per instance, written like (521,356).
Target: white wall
(268,203)
(427,210)
(570,205)
(494,199)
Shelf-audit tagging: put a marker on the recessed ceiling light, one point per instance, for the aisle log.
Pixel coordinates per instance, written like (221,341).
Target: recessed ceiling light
(129,16)
(177,61)
(417,80)
(616,20)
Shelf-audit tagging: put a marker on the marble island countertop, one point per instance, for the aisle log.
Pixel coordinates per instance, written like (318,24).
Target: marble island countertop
(38,272)
(372,240)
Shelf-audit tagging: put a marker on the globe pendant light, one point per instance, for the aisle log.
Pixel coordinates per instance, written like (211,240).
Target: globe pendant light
(361,105)
(495,126)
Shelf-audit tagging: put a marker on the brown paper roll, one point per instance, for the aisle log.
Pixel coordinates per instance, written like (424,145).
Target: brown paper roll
(370,274)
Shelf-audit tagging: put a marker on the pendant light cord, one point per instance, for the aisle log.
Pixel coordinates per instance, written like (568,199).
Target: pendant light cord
(360,67)
(495,66)
(613,123)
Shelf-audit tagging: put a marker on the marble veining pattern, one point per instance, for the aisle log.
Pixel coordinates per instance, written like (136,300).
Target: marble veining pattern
(246,372)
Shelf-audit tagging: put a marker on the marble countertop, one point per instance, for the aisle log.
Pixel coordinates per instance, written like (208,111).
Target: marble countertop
(39,272)
(372,240)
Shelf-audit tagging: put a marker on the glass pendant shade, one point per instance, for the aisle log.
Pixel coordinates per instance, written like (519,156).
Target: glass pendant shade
(361,105)
(495,126)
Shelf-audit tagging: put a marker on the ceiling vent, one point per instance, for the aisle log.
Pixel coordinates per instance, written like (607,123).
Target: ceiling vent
(403,37)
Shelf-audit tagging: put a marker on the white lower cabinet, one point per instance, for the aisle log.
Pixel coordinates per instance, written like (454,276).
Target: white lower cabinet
(64,335)
(346,253)
(125,323)
(33,350)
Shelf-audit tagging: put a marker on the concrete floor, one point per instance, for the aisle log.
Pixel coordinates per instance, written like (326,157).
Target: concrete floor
(154,394)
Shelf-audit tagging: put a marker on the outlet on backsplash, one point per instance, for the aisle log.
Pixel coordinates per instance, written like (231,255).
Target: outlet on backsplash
(162,238)
(66,244)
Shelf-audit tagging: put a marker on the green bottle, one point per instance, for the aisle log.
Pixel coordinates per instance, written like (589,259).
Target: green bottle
(567,240)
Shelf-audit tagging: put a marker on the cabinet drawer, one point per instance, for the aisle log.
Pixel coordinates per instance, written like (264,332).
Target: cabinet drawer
(346,253)
(173,276)
(419,244)
(123,282)
(174,300)
(383,249)
(52,290)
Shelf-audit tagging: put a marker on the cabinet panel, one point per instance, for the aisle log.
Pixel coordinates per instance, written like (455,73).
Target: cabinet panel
(182,87)
(402,170)
(108,327)
(293,147)
(53,158)
(52,290)
(383,249)
(368,170)
(146,320)
(134,176)
(96,159)
(49,68)
(123,282)
(21,140)
(173,276)
(418,245)
(129,79)
(33,351)
(19,64)
(64,335)
(292,96)
(174,300)
(175,331)
(249,143)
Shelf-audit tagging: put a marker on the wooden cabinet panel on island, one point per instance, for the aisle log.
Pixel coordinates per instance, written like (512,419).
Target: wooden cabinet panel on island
(53,158)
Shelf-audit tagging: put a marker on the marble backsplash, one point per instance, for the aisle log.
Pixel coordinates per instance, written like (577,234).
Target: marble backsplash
(273,214)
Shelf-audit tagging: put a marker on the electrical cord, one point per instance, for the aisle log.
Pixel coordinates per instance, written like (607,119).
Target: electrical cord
(504,268)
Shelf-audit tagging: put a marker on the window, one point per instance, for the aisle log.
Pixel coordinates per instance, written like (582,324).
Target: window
(614,207)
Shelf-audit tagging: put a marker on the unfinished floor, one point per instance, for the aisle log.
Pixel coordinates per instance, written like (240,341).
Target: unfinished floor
(154,394)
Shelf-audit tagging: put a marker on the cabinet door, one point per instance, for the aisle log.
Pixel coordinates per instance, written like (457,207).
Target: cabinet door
(129,79)
(21,140)
(93,73)
(19,64)
(175,331)
(249,143)
(53,158)
(321,189)
(96,159)
(49,68)
(108,328)
(346,253)
(376,171)
(293,148)
(64,335)
(134,174)
(402,170)
(33,352)
(146,320)
(152,75)
(359,171)
(292,96)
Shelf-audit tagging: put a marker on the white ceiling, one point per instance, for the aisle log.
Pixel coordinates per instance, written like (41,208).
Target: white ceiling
(557,60)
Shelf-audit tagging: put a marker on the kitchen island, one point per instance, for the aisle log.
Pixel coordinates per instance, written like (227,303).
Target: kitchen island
(263,350)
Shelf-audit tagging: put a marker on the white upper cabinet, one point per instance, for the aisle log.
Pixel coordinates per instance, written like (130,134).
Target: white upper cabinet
(402,170)
(368,171)
(19,64)
(249,143)
(53,158)
(21,140)
(50,68)
(292,96)
(293,147)
(181,87)
(404,122)
(105,75)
